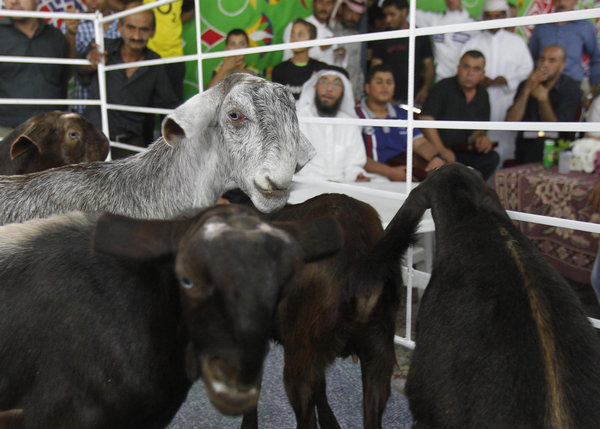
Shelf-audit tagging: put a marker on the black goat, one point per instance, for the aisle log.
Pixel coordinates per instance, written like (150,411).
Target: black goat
(345,304)
(114,337)
(502,341)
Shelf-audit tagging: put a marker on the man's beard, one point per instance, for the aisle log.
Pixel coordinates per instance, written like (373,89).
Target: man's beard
(328,111)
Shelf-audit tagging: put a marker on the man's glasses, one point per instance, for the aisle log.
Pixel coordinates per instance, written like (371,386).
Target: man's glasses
(325,82)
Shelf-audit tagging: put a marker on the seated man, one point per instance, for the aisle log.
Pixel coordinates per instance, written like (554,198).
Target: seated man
(383,144)
(294,72)
(340,151)
(547,95)
(134,86)
(462,98)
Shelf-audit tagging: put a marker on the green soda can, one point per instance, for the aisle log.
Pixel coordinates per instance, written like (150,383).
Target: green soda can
(548,159)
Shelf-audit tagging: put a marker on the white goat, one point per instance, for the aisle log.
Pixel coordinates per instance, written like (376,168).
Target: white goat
(241,133)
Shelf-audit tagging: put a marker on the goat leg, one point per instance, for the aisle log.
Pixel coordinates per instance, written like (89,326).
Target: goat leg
(301,395)
(327,419)
(250,420)
(377,359)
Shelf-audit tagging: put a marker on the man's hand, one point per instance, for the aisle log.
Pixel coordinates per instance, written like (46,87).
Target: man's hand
(397,173)
(594,196)
(497,81)
(436,162)
(340,53)
(448,155)
(232,63)
(421,96)
(362,178)
(95,56)
(483,143)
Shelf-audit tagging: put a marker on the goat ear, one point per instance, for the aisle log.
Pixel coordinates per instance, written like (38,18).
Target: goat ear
(33,137)
(306,152)
(318,238)
(193,116)
(138,239)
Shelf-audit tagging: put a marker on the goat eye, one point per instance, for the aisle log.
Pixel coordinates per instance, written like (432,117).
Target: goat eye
(236,116)
(186,283)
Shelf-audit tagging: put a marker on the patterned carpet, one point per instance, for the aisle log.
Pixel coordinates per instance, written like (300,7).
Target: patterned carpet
(343,390)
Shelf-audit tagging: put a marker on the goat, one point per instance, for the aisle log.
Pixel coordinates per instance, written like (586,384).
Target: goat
(242,133)
(106,323)
(49,140)
(345,304)
(501,339)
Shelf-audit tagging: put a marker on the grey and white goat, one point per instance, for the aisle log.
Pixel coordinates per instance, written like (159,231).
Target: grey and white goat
(241,133)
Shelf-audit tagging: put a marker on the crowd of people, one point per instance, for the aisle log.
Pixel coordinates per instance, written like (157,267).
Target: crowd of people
(466,75)
(488,75)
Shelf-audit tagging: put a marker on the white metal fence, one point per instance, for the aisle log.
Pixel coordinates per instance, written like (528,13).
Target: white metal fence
(412,276)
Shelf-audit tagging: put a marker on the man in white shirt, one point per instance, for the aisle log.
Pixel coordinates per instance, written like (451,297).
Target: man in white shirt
(322,10)
(446,46)
(508,62)
(340,154)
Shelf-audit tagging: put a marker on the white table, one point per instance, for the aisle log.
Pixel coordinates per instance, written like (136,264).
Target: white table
(385,197)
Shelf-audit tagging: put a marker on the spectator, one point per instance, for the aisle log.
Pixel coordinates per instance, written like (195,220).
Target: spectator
(508,62)
(547,95)
(30,37)
(167,41)
(578,38)
(322,10)
(236,39)
(294,72)
(134,86)
(446,46)
(462,98)
(593,115)
(350,56)
(395,52)
(594,199)
(340,151)
(85,35)
(383,144)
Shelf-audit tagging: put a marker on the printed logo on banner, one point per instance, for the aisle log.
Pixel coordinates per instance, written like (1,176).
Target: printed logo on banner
(61,6)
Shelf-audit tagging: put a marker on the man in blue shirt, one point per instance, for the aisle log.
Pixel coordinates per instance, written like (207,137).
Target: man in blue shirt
(576,37)
(386,144)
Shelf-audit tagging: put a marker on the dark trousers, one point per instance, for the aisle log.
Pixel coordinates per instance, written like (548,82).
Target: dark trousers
(485,163)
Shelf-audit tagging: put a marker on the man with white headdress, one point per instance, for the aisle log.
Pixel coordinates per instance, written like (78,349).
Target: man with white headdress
(340,154)
(508,62)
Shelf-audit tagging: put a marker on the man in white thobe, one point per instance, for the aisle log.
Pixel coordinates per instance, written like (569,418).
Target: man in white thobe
(340,154)
(447,47)
(322,10)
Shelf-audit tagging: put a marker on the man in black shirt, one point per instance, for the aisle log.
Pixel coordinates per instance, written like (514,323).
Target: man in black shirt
(135,86)
(546,96)
(30,37)
(395,53)
(462,98)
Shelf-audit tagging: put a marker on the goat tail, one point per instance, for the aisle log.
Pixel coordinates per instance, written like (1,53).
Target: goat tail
(380,268)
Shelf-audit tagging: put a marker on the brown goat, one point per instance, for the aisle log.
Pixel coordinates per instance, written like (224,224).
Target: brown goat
(342,305)
(51,139)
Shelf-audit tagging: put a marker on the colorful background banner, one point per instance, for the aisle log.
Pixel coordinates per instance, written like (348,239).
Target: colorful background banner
(265,20)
